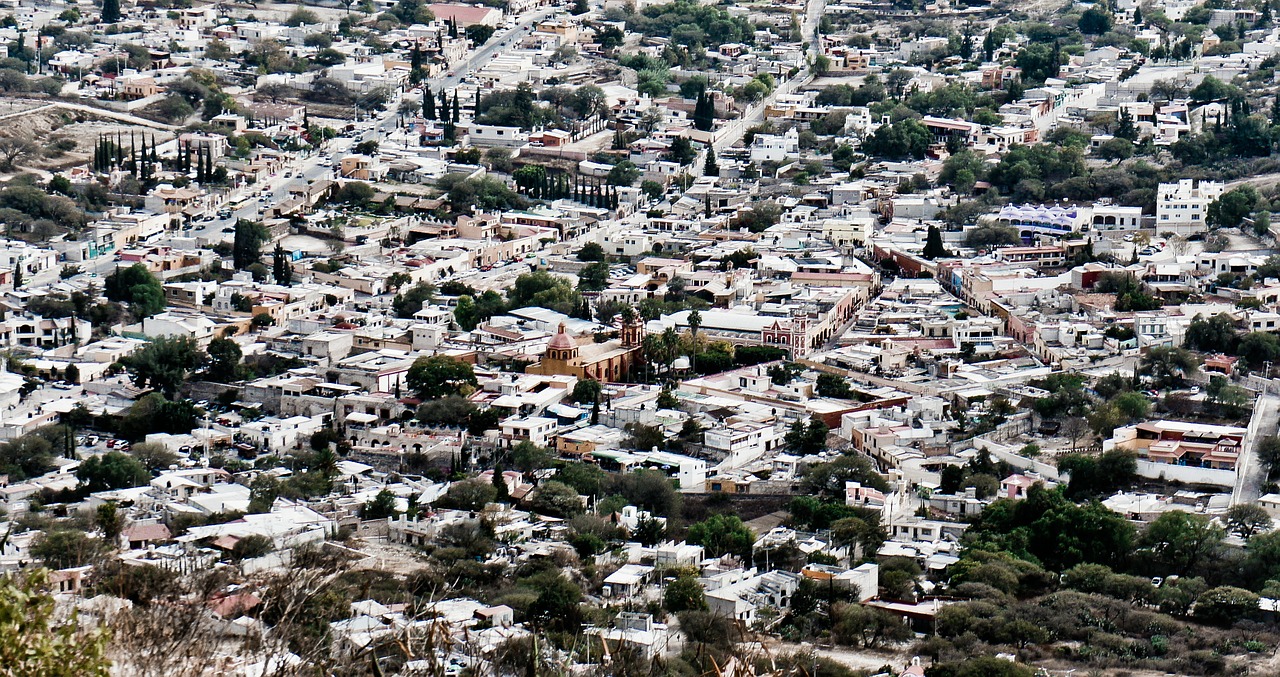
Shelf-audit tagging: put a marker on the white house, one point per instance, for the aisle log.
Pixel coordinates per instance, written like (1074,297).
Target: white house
(774,147)
(1182,207)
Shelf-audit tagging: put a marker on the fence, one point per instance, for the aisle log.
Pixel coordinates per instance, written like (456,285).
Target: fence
(1187,474)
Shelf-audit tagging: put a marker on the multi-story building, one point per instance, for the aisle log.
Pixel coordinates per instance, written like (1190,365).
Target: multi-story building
(1181,208)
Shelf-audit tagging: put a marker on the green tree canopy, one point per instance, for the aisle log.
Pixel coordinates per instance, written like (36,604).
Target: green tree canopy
(164,363)
(437,376)
(113,470)
(723,534)
(556,499)
(38,641)
(684,594)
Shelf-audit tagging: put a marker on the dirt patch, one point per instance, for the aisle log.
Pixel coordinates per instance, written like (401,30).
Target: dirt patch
(387,556)
(697,507)
(66,137)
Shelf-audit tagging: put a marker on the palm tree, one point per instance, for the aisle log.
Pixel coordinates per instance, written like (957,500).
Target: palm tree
(670,346)
(695,321)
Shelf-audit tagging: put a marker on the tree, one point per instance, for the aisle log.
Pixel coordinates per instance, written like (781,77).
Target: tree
(982,666)
(990,237)
(1116,149)
(865,626)
(382,506)
(709,166)
(821,65)
(246,248)
(136,286)
(224,360)
(706,628)
(14,147)
(38,640)
(281,269)
(114,470)
(154,457)
(1049,529)
(528,457)
(1247,519)
(110,11)
(594,276)
(723,534)
(439,376)
(109,521)
(933,247)
(681,151)
(1094,21)
(804,438)
(545,290)
(586,391)
(592,252)
(827,479)
(410,301)
(1226,605)
(263,492)
(251,547)
(1098,476)
(164,363)
(556,499)
(1230,210)
(470,494)
(1168,365)
(557,604)
(1256,349)
(1217,333)
(684,594)
(899,141)
(624,173)
(1180,541)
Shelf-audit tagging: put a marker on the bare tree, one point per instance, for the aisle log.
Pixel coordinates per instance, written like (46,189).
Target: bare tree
(12,148)
(1075,428)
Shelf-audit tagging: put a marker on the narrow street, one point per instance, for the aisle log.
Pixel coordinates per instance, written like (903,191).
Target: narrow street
(735,130)
(1251,473)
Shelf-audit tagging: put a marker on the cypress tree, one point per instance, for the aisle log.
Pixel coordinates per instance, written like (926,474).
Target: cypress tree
(110,11)
(444,105)
(282,271)
(455,107)
(428,103)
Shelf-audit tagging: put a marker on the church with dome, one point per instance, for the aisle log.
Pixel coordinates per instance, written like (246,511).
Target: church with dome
(608,361)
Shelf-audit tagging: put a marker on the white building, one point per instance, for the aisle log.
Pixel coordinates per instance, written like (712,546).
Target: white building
(535,429)
(32,260)
(1182,207)
(276,434)
(1109,219)
(774,147)
(742,442)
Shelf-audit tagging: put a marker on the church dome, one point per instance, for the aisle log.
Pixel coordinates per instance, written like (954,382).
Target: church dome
(562,341)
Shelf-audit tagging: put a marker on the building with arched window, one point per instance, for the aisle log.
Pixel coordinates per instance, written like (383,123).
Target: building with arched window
(607,361)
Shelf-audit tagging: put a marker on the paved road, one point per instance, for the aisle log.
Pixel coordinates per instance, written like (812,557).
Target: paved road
(736,129)
(1250,473)
(387,120)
